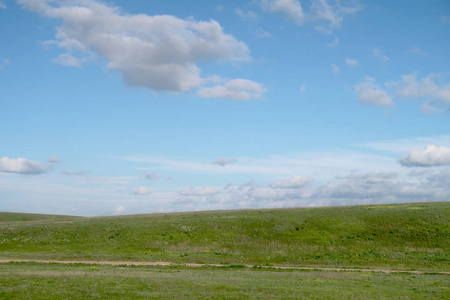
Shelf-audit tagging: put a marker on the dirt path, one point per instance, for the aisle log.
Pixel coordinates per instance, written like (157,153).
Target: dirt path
(193,265)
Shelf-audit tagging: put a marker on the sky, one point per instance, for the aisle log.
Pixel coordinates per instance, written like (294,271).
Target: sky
(125,107)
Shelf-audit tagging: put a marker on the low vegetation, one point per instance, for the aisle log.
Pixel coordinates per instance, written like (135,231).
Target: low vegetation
(53,281)
(405,236)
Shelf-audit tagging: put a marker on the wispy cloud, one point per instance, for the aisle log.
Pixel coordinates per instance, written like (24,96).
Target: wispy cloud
(223,161)
(76,173)
(262,33)
(249,15)
(351,62)
(417,51)
(152,176)
(335,69)
(378,54)
(236,89)
(141,191)
(334,44)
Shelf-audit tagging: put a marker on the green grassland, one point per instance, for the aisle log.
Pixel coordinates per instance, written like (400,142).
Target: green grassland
(22,217)
(404,236)
(54,281)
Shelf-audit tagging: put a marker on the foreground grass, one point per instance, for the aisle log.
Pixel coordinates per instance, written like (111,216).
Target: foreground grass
(406,236)
(43,281)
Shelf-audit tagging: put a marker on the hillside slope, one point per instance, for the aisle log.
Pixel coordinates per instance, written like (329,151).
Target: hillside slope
(404,236)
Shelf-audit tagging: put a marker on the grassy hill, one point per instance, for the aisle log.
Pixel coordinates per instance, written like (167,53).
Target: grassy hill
(404,236)
(23,217)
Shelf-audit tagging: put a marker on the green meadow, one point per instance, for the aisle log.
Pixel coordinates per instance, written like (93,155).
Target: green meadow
(53,281)
(400,237)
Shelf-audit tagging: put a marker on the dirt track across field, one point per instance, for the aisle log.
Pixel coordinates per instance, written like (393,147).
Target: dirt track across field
(193,265)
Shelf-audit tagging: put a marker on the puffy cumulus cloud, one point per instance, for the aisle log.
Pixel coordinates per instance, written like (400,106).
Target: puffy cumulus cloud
(292,8)
(429,157)
(296,182)
(386,188)
(141,191)
(23,166)
(370,93)
(152,176)
(76,173)
(236,89)
(223,161)
(159,52)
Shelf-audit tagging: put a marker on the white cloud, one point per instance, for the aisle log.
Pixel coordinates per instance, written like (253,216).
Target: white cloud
(262,33)
(2,5)
(67,59)
(23,166)
(321,165)
(291,8)
(334,14)
(377,53)
(431,156)
(223,161)
(334,44)
(407,145)
(141,191)
(6,61)
(320,10)
(411,87)
(351,62)
(199,191)
(236,89)
(296,182)
(335,69)
(250,15)
(370,93)
(159,52)
(351,189)
(152,176)
(119,209)
(76,173)
(417,51)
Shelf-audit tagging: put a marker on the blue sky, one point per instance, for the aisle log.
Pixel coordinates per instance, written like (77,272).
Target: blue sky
(120,107)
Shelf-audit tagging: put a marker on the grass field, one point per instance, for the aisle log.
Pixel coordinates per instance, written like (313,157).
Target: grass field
(406,236)
(36,281)
(403,237)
